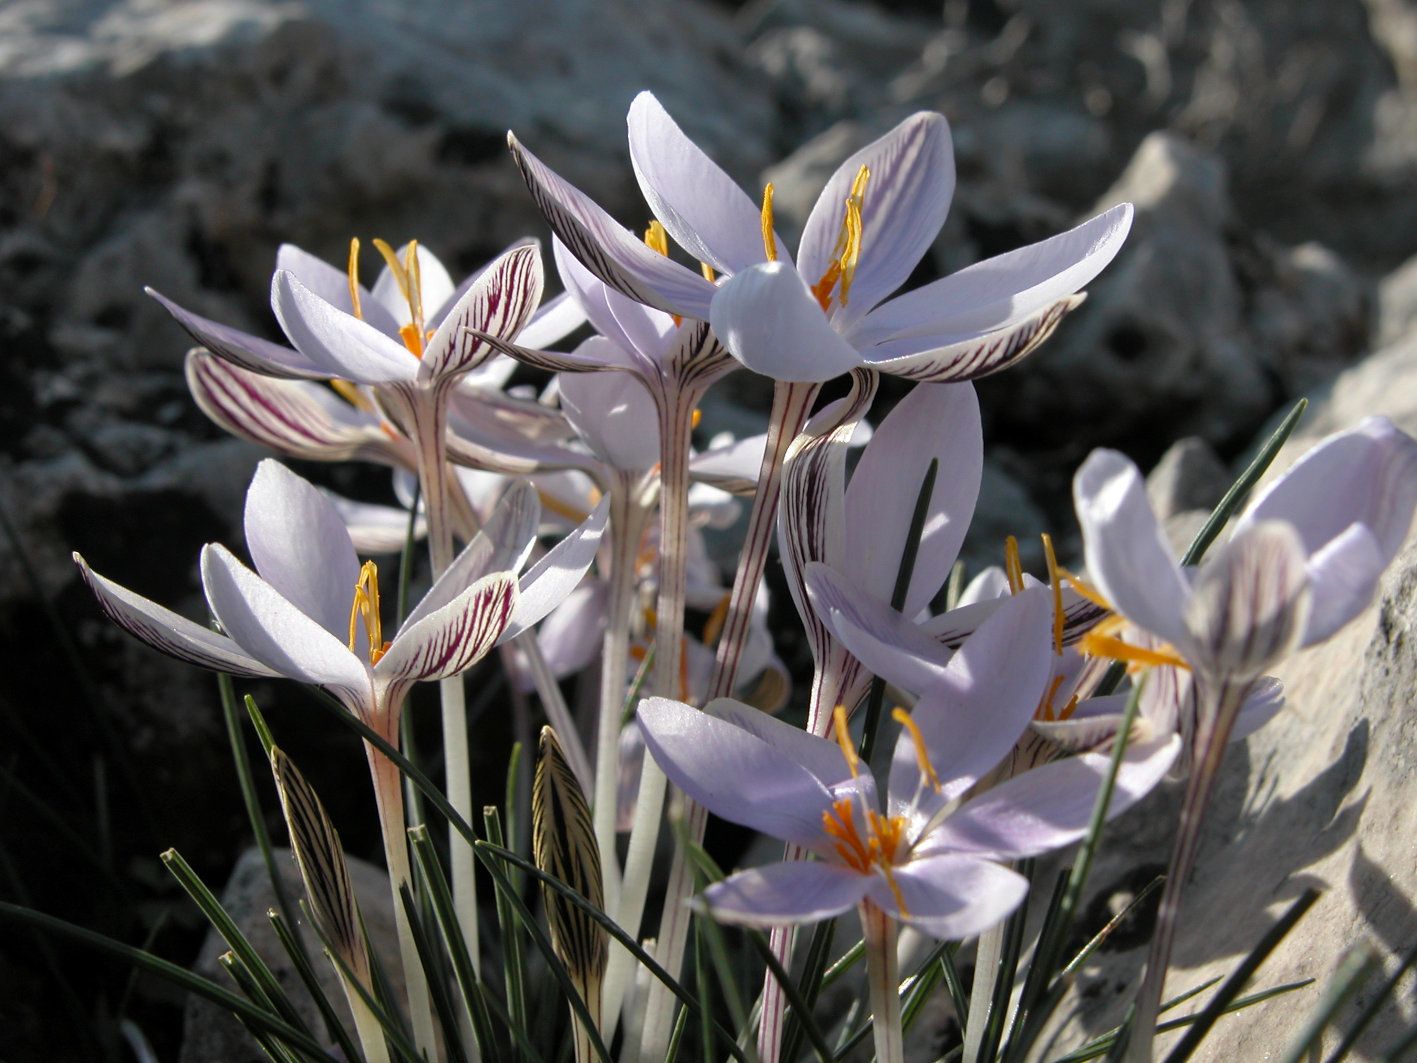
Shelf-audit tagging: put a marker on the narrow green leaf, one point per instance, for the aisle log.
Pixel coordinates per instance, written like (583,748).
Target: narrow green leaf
(512,969)
(433,970)
(1375,1005)
(239,974)
(1100,938)
(809,986)
(1357,967)
(300,960)
(849,959)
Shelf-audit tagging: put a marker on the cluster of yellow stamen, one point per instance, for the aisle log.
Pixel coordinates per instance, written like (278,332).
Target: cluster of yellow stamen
(1102,640)
(881,845)
(657,240)
(366,609)
(1013,573)
(845,255)
(407,276)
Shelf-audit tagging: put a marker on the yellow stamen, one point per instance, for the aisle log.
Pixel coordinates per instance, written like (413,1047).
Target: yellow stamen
(842,269)
(638,652)
(391,259)
(656,239)
(415,290)
(843,739)
(876,850)
(351,394)
(352,270)
(560,508)
(412,337)
(1057,584)
(922,755)
(713,626)
(696,417)
(1013,567)
(366,608)
(1087,590)
(769,237)
(1097,644)
(710,274)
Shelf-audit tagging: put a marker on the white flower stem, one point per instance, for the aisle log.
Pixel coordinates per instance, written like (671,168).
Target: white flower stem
(627,518)
(1217,704)
(553,702)
(878,930)
(388,796)
(791,404)
(987,951)
(429,417)
(676,426)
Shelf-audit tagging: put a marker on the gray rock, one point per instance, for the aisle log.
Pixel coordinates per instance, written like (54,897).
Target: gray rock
(209,1032)
(1189,476)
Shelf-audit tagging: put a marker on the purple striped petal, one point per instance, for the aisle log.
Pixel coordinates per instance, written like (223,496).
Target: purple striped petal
(499,303)
(300,546)
(705,211)
(450,640)
(167,632)
(912,179)
(607,249)
(242,348)
(797,891)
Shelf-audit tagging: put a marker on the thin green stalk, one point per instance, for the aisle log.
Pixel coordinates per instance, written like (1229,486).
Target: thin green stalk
(1371,1009)
(376,1003)
(1357,967)
(809,986)
(300,960)
(1100,938)
(512,972)
(701,986)
(238,973)
(433,971)
(849,959)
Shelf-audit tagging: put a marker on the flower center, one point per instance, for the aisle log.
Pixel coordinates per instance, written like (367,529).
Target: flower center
(366,609)
(842,269)
(877,849)
(415,334)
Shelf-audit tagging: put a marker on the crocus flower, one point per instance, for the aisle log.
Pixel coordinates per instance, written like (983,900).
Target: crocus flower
(1303,560)
(926,863)
(828,311)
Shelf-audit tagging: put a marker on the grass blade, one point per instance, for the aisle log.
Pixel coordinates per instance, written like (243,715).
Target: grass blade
(429,956)
(300,960)
(513,975)
(1371,1009)
(1357,967)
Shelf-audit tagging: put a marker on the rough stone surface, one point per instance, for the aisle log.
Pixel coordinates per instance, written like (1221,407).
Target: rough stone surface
(1188,476)
(211,1033)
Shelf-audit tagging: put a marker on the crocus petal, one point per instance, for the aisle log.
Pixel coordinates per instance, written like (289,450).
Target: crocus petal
(376,529)
(615,416)
(546,584)
(1343,577)
(242,348)
(912,178)
(607,249)
(300,546)
(883,640)
(705,211)
(1003,291)
(771,322)
(735,774)
(823,758)
(554,320)
(502,544)
(975,714)
(450,640)
(164,630)
(1367,475)
(970,356)
(332,285)
(1249,603)
(498,304)
(731,467)
(264,624)
(572,636)
(1125,551)
(298,418)
(935,422)
(1263,702)
(951,897)
(341,345)
(1051,806)
(796,891)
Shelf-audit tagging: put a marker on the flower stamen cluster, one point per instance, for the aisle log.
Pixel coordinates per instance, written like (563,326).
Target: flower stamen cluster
(366,609)
(847,252)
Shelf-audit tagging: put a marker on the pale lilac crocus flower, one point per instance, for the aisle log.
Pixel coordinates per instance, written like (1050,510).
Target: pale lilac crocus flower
(927,860)
(311,612)
(1302,561)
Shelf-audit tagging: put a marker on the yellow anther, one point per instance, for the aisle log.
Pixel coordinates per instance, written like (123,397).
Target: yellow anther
(922,755)
(391,259)
(366,608)
(1087,590)
(562,509)
(1098,644)
(843,739)
(769,236)
(696,417)
(710,274)
(713,626)
(412,337)
(415,290)
(1055,582)
(351,394)
(1013,567)
(842,269)
(656,239)
(875,851)
(352,270)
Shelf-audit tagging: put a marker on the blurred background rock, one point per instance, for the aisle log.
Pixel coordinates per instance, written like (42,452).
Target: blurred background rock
(1270,147)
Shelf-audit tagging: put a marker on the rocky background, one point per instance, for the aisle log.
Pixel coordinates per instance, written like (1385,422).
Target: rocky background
(1270,147)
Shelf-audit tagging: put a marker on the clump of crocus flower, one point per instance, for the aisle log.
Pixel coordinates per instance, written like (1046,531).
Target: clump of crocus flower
(1013,737)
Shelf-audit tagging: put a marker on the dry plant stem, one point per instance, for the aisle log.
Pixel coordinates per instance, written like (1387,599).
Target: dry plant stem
(429,417)
(1217,705)
(676,426)
(388,796)
(791,403)
(988,950)
(878,930)
(627,520)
